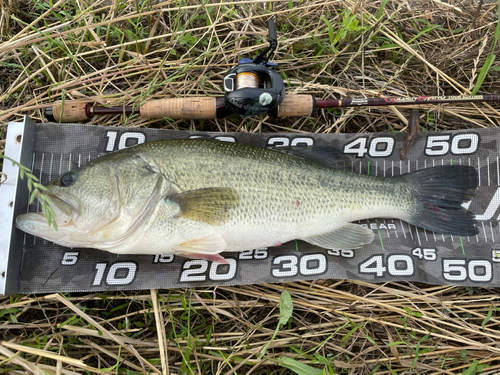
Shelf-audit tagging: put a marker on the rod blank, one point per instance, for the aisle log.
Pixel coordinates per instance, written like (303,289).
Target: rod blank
(207,108)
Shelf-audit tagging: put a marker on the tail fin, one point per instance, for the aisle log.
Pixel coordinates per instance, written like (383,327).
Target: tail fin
(441,191)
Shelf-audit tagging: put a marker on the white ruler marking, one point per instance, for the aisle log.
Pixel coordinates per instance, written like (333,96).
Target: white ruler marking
(51,164)
(418,237)
(396,231)
(60,164)
(498,173)
(39,179)
(488,165)
(478,172)
(409,230)
(28,206)
(403,228)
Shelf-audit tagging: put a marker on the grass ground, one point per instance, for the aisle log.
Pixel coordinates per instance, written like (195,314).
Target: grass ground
(124,52)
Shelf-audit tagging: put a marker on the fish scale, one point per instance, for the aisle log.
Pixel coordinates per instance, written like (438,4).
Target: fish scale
(271,181)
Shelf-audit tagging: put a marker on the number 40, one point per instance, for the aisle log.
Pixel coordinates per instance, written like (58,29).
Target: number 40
(379,147)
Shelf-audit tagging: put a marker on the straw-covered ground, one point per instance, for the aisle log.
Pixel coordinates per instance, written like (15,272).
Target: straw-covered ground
(123,52)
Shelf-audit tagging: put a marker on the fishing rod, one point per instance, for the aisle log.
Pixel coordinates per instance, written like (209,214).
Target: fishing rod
(251,88)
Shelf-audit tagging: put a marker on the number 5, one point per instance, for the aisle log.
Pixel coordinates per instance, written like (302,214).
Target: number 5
(70,258)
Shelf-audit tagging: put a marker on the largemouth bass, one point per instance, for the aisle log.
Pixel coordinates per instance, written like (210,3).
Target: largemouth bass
(198,198)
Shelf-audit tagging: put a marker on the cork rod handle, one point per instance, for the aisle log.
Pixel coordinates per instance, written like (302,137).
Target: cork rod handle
(73,112)
(296,105)
(198,108)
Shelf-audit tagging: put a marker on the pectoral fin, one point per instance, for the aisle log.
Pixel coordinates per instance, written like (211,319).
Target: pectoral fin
(350,236)
(210,205)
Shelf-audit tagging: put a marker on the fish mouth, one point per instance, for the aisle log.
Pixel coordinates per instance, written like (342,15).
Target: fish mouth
(36,223)
(33,223)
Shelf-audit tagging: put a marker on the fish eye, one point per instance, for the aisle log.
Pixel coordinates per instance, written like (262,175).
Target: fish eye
(67,179)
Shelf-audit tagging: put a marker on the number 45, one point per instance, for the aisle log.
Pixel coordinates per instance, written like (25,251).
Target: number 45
(425,254)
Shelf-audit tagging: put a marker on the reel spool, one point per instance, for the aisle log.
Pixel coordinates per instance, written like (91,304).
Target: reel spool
(246,80)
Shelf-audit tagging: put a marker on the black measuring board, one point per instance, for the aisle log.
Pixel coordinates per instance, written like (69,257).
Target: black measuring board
(399,252)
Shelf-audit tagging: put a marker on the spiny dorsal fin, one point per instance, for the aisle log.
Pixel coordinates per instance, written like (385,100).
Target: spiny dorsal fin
(325,156)
(209,205)
(350,236)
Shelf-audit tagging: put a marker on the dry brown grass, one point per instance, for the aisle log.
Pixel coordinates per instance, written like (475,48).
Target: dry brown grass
(121,52)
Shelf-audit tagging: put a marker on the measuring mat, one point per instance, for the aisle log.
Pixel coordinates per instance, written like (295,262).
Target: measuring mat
(400,251)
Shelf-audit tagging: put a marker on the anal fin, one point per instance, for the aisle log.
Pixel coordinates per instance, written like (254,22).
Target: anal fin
(212,257)
(207,247)
(350,236)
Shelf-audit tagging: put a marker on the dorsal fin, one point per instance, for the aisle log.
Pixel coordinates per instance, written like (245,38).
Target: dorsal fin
(326,156)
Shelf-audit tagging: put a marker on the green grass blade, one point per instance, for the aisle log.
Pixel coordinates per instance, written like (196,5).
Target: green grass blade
(484,71)
(298,367)
(491,57)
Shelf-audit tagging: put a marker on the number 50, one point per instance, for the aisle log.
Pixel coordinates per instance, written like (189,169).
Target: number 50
(460,144)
